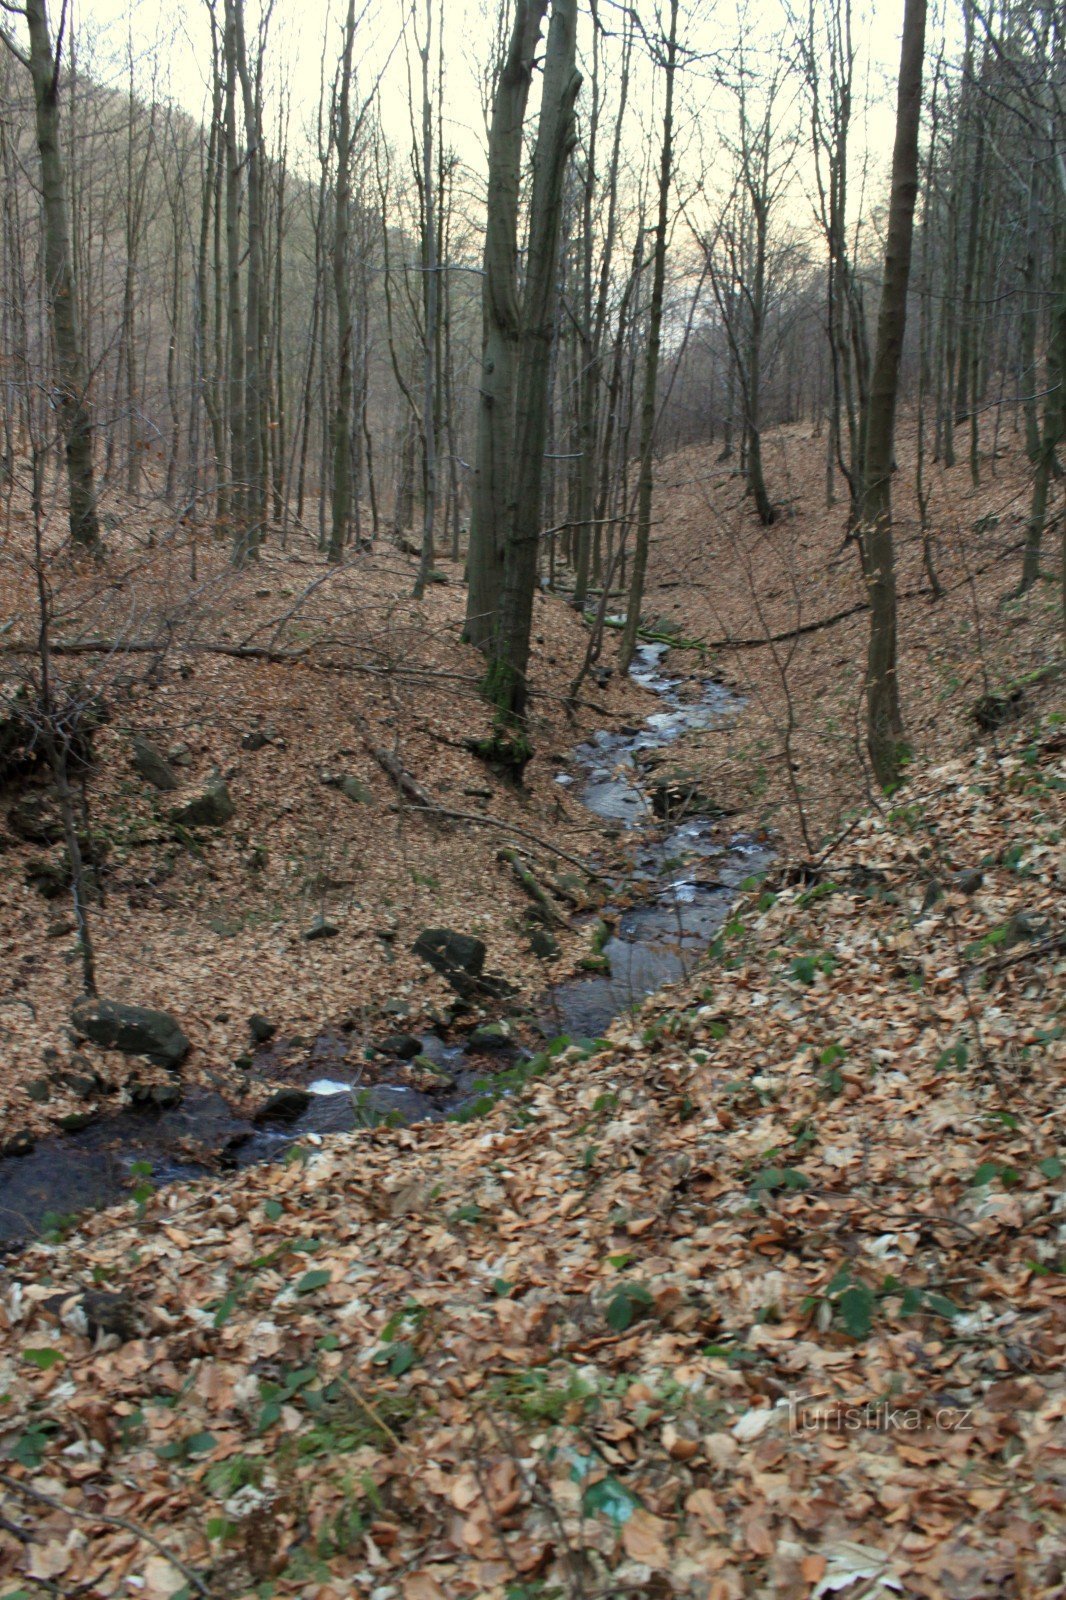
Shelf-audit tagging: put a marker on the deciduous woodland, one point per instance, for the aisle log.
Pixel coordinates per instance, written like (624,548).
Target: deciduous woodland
(532,590)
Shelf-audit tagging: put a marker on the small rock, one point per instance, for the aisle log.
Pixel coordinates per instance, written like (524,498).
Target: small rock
(110,1314)
(135,1030)
(933,893)
(39,1090)
(321,929)
(451,954)
(211,808)
(350,786)
(405,1046)
(19,1144)
(261,1029)
(152,765)
(491,1036)
(257,738)
(1022,928)
(396,1102)
(60,928)
(541,943)
(84,1085)
(284,1105)
(165,1094)
(968,881)
(354,790)
(75,1120)
(179,755)
(396,1008)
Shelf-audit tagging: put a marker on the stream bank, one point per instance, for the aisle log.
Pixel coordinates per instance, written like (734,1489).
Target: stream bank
(684,865)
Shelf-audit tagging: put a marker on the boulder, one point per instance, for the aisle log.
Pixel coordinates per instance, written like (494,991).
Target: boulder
(452,954)
(209,809)
(135,1030)
(152,764)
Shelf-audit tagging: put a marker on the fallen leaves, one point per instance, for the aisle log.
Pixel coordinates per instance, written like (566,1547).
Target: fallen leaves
(419,1386)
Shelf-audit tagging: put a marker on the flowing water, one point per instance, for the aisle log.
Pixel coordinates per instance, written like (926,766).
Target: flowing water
(666,908)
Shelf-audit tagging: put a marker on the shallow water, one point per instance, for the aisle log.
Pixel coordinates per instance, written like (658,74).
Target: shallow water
(681,879)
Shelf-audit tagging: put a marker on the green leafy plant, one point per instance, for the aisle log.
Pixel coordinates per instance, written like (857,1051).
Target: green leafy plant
(628,1303)
(44,1359)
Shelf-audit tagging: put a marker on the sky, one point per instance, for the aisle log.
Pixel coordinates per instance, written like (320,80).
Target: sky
(172,40)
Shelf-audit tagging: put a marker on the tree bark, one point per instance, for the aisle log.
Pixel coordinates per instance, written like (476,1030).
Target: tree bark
(884,724)
(645,482)
(506,681)
(501,328)
(75,414)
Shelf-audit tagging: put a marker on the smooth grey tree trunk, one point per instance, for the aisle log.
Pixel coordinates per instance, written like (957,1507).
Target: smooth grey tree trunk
(645,482)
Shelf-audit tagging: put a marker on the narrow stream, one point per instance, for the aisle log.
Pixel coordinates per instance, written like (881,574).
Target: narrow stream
(685,865)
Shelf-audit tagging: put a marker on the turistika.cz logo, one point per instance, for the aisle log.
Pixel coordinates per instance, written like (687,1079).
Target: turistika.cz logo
(876,1416)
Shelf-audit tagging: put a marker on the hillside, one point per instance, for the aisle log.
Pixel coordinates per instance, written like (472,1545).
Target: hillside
(616,1336)
(760,1294)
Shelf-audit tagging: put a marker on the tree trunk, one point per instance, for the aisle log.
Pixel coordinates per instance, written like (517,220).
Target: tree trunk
(1054,421)
(342,416)
(645,482)
(430,301)
(501,329)
(506,681)
(75,415)
(884,727)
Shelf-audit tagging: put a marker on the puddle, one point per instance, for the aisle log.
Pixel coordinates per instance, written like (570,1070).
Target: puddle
(683,875)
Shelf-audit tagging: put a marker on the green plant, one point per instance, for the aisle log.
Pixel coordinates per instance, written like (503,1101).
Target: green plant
(628,1303)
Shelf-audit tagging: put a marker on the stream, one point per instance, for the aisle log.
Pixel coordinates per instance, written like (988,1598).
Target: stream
(684,867)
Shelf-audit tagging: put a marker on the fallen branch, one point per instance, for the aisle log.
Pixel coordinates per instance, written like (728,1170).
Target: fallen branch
(529,882)
(1033,952)
(113,1522)
(483,820)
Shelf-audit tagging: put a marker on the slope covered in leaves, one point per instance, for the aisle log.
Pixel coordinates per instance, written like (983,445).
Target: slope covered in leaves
(763,1296)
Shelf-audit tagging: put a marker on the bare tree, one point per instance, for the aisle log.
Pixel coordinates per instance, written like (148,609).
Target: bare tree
(71,396)
(884,718)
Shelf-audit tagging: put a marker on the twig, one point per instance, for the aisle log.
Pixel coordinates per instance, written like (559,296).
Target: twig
(1057,941)
(111,1521)
(372,1413)
(482,819)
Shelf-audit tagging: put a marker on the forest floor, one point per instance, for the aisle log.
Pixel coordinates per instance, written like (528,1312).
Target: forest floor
(764,1296)
(717,576)
(212,924)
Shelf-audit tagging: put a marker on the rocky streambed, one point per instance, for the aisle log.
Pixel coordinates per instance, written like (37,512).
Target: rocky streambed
(683,866)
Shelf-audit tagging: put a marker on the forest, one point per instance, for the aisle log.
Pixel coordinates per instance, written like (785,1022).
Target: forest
(532,956)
